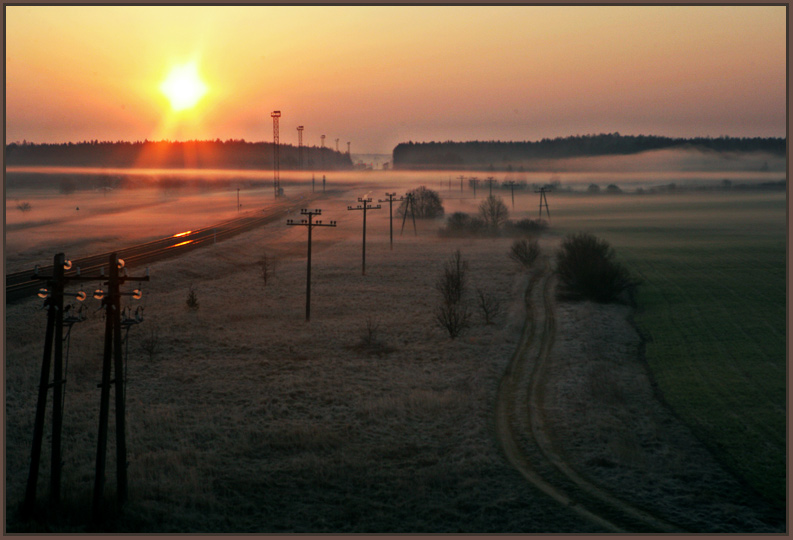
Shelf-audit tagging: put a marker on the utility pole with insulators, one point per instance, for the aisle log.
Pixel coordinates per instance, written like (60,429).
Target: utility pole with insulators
(511,185)
(490,180)
(461,177)
(543,197)
(300,147)
(409,206)
(310,224)
(53,293)
(322,152)
(474,181)
(390,201)
(276,157)
(113,358)
(364,206)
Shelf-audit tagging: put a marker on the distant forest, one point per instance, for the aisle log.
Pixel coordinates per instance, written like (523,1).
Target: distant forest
(506,156)
(217,154)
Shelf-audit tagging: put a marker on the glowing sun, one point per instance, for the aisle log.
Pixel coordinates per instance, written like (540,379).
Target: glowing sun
(183,87)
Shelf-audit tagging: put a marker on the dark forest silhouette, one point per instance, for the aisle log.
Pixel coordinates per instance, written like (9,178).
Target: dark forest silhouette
(217,154)
(497,155)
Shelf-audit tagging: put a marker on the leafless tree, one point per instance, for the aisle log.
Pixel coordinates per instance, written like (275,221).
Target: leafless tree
(268,264)
(488,304)
(494,212)
(525,252)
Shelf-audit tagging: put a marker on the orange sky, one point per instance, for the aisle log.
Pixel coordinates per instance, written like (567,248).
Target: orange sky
(380,75)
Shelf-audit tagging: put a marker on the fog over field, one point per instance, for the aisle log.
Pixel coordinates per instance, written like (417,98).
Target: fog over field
(248,419)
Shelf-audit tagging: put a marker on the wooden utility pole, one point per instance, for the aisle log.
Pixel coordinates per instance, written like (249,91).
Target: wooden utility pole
(53,354)
(490,180)
(390,201)
(543,197)
(511,185)
(461,177)
(364,206)
(409,206)
(112,359)
(474,182)
(310,224)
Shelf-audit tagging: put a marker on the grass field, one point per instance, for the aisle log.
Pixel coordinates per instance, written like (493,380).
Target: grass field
(712,306)
(247,419)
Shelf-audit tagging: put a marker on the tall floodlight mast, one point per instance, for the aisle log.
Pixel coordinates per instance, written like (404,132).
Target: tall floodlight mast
(276,158)
(299,147)
(322,152)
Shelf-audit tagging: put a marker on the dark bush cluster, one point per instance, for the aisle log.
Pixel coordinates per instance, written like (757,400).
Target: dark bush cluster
(462,224)
(588,270)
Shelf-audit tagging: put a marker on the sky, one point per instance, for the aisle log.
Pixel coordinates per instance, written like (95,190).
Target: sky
(376,76)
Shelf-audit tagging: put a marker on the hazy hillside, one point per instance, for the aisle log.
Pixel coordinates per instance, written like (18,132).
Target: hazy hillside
(217,154)
(505,156)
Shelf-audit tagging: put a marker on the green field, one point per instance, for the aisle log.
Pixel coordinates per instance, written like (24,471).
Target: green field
(712,305)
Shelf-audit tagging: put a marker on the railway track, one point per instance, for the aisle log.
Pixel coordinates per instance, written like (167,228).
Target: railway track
(524,434)
(20,285)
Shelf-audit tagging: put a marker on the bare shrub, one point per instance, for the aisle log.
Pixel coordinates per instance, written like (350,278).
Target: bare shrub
(525,252)
(493,212)
(587,270)
(452,283)
(371,341)
(452,314)
(369,337)
(150,343)
(488,305)
(24,206)
(427,204)
(453,317)
(268,264)
(192,299)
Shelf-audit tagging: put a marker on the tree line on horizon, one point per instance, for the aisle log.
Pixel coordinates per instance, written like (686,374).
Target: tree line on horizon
(198,154)
(503,155)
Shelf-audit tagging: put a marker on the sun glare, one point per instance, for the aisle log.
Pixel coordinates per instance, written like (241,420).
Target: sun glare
(183,87)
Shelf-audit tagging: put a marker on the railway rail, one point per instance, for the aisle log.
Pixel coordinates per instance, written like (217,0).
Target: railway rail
(20,285)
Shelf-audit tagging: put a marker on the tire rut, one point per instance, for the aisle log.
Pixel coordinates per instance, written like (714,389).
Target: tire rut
(522,431)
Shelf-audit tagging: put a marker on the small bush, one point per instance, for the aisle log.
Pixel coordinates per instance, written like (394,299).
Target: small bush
(452,314)
(192,299)
(587,270)
(24,206)
(427,204)
(452,282)
(150,343)
(268,265)
(453,317)
(525,252)
(488,305)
